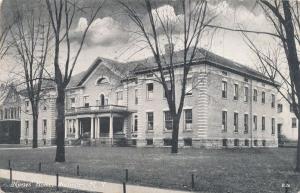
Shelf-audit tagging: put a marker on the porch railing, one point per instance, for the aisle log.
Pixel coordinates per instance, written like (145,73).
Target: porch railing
(97,109)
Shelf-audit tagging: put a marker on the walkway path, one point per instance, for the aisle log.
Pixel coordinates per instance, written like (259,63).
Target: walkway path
(81,184)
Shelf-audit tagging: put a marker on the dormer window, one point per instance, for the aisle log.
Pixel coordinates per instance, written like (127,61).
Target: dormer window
(102,80)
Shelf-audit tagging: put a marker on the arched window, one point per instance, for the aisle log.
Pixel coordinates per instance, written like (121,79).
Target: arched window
(102,80)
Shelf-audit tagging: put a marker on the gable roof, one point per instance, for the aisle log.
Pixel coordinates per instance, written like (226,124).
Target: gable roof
(120,69)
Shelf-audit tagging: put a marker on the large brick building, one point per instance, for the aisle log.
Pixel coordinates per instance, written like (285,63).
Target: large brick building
(227,104)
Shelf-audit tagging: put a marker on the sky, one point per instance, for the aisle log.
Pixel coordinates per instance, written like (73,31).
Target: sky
(110,36)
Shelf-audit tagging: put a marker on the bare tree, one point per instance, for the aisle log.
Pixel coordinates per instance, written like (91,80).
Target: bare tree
(195,18)
(62,13)
(30,36)
(284,17)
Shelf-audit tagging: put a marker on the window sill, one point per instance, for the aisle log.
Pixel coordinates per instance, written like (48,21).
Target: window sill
(187,130)
(236,132)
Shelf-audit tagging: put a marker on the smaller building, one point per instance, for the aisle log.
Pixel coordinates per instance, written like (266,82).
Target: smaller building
(47,116)
(287,124)
(10,108)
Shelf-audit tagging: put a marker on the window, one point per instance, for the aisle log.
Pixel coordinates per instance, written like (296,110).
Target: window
(167,142)
(168,120)
(149,141)
(224,89)
(294,123)
(72,103)
(150,120)
(135,127)
(254,95)
(246,93)
(246,125)
(27,106)
(263,143)
(149,90)
(86,101)
(255,142)
(26,127)
(44,126)
(263,97)
(236,142)
(279,108)
(224,121)
(255,122)
(119,98)
(102,80)
(168,83)
(149,75)
(6,113)
(188,119)
(224,142)
(136,96)
(188,142)
(273,125)
(273,101)
(263,123)
(291,108)
(189,87)
(236,122)
(236,92)
(12,113)
(246,142)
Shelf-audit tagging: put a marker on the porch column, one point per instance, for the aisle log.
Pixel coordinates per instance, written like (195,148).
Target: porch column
(66,128)
(76,128)
(92,128)
(97,128)
(111,128)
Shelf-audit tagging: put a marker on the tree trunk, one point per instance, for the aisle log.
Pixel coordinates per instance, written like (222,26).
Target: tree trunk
(298,149)
(35,132)
(175,134)
(60,125)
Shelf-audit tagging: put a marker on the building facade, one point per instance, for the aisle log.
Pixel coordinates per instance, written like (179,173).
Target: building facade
(46,121)
(10,109)
(287,121)
(226,105)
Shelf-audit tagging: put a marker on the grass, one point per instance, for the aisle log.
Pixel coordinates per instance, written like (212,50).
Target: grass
(223,170)
(25,187)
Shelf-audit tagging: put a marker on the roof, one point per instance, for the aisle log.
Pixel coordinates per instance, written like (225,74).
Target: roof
(131,69)
(202,55)
(122,69)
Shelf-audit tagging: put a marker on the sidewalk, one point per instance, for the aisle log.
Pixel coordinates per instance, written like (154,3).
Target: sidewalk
(81,184)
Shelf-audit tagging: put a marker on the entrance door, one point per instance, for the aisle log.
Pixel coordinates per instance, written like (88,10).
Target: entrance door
(104,126)
(118,124)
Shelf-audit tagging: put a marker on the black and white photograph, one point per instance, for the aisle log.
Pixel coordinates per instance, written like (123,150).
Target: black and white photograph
(149,96)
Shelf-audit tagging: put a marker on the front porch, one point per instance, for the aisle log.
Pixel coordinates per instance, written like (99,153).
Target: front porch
(105,125)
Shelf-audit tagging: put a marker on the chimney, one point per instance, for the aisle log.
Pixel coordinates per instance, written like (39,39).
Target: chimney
(169,48)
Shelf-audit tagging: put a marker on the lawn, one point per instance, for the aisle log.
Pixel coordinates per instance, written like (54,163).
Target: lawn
(222,170)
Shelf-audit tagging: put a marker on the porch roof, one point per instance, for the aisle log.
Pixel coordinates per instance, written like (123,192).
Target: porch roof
(98,110)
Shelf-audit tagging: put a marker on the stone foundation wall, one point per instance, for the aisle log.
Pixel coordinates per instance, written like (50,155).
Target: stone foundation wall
(41,142)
